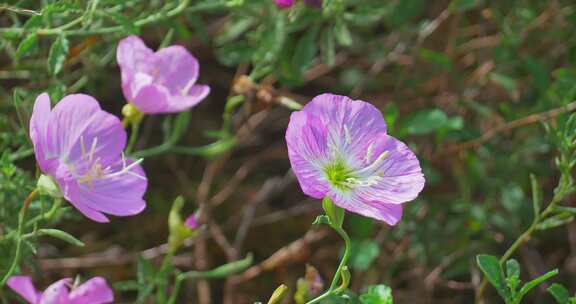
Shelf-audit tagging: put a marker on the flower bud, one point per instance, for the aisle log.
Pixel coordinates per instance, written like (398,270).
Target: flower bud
(47,186)
(180,230)
(131,114)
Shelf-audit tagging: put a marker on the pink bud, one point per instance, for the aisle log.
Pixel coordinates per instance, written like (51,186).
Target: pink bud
(191,222)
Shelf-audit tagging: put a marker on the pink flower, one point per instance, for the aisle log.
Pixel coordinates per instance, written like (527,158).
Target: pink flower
(338,148)
(191,222)
(284,3)
(159,82)
(80,147)
(93,291)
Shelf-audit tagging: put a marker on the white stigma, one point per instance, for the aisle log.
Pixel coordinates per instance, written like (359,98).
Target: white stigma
(374,165)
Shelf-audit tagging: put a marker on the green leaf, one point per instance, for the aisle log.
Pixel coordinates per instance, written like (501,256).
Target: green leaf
(59,234)
(531,284)
(556,221)
(377,294)
(560,293)
(491,268)
(57,55)
(127,23)
(426,121)
(306,50)
(327,47)
(363,253)
(26,45)
(342,33)
(221,271)
(536,196)
(322,219)
(505,81)
(512,269)
(335,213)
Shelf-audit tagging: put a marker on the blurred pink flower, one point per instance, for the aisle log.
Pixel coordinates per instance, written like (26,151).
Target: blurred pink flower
(284,3)
(338,148)
(93,291)
(159,82)
(80,147)
(191,222)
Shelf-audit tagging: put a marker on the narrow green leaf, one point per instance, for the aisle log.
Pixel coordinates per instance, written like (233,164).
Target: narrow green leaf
(221,271)
(531,284)
(342,33)
(536,196)
(57,55)
(556,221)
(493,272)
(306,50)
(59,234)
(327,47)
(278,294)
(512,269)
(26,45)
(560,293)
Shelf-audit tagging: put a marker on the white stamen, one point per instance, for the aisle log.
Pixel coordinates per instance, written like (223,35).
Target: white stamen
(126,169)
(369,153)
(184,91)
(347,136)
(373,166)
(93,148)
(82,147)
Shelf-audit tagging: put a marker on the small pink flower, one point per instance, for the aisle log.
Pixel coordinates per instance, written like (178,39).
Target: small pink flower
(191,222)
(159,82)
(284,3)
(93,291)
(80,147)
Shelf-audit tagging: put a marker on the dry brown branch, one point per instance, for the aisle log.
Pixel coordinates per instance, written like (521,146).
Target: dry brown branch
(530,119)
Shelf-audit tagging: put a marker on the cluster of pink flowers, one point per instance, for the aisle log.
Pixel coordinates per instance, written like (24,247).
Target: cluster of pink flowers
(338,148)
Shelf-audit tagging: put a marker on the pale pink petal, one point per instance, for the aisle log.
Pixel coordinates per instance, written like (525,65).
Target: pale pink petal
(351,123)
(177,69)
(57,293)
(133,56)
(180,103)
(396,177)
(191,222)
(23,286)
(121,195)
(306,137)
(78,119)
(93,291)
(152,98)
(388,213)
(39,123)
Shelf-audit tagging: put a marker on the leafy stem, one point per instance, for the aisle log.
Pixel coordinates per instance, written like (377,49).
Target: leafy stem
(335,219)
(19,238)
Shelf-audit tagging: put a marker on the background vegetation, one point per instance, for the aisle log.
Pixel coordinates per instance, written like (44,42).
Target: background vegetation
(467,83)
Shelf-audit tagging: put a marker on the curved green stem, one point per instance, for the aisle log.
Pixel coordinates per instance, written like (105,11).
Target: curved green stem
(337,275)
(19,238)
(134,131)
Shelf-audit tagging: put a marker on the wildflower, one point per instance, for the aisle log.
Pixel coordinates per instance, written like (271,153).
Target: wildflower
(338,147)
(284,3)
(79,146)
(159,82)
(191,222)
(93,291)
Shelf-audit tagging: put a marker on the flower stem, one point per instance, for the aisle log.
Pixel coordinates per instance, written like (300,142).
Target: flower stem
(337,275)
(134,131)
(19,239)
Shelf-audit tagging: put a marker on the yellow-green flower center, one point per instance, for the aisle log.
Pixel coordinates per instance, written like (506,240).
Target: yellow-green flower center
(338,174)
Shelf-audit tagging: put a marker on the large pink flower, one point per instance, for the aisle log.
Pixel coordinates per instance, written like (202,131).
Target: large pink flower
(159,82)
(80,146)
(338,147)
(93,291)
